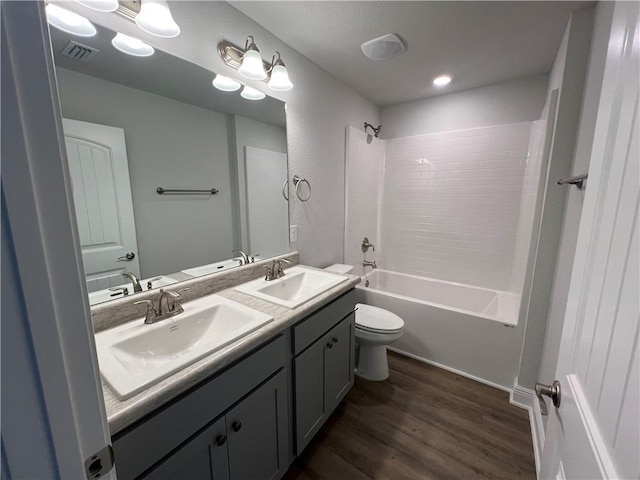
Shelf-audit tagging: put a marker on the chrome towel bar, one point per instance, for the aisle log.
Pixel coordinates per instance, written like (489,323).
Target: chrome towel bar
(162,191)
(576,180)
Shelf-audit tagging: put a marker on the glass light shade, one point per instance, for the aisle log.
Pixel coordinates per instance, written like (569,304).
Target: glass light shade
(132,46)
(69,22)
(442,80)
(100,5)
(252,94)
(225,84)
(280,79)
(252,67)
(155,18)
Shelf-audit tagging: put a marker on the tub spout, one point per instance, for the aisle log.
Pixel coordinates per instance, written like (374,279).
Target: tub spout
(366,264)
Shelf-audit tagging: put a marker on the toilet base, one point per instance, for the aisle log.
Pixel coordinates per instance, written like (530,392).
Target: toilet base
(372,362)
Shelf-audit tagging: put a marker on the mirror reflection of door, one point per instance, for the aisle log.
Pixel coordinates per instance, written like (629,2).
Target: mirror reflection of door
(99,172)
(267,209)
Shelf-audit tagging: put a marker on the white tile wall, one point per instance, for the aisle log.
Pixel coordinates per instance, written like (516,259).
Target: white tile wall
(364,166)
(452,201)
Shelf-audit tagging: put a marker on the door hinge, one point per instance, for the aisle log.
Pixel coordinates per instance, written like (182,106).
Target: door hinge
(99,463)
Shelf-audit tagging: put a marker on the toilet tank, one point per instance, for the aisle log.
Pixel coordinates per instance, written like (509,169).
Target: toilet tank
(340,268)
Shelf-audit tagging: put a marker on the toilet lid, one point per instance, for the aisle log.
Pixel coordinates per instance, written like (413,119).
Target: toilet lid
(377,319)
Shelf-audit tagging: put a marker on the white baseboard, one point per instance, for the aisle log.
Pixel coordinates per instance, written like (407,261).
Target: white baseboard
(526,398)
(453,370)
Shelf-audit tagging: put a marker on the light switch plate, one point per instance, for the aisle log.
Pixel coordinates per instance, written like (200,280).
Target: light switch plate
(293,233)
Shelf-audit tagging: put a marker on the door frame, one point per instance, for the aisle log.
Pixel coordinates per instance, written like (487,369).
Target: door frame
(41,218)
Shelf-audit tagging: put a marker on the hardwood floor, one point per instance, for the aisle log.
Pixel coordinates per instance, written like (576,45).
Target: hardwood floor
(421,423)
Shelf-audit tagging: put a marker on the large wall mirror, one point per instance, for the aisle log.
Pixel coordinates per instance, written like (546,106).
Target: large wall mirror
(134,125)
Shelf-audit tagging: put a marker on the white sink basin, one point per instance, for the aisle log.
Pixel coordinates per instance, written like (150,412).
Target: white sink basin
(105,295)
(134,356)
(211,268)
(299,285)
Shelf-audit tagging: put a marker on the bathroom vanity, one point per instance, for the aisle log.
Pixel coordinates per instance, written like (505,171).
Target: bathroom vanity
(249,409)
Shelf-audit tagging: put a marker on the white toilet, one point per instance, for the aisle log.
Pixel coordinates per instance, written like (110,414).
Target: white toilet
(375,329)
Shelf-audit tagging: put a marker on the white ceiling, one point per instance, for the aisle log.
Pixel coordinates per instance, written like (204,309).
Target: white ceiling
(477,42)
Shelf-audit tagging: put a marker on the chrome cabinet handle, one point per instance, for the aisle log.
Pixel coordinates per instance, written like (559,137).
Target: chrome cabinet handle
(552,391)
(127,258)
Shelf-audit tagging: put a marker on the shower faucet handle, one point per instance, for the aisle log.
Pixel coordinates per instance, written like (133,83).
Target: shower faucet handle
(366,245)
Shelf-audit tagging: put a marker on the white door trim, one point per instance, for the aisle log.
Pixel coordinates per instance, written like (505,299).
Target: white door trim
(35,181)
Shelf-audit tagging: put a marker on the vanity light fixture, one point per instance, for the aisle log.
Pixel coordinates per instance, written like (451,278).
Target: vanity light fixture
(225,84)
(100,5)
(132,46)
(251,93)
(69,22)
(279,80)
(442,80)
(155,18)
(252,67)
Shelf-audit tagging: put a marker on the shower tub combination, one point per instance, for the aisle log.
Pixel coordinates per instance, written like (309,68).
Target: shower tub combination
(467,329)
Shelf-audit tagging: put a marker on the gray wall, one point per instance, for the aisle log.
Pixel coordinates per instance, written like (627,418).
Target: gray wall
(318,109)
(514,101)
(169,144)
(568,75)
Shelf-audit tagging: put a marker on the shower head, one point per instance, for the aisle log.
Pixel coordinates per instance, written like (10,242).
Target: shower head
(376,131)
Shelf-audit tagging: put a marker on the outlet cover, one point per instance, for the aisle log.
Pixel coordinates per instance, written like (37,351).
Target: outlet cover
(293,233)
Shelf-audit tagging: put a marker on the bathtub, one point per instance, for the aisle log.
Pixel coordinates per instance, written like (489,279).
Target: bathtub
(470,330)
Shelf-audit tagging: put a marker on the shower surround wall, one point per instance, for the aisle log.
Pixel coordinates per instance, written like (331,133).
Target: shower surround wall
(452,203)
(363,187)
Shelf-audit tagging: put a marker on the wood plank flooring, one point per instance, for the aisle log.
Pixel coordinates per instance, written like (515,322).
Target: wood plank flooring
(421,423)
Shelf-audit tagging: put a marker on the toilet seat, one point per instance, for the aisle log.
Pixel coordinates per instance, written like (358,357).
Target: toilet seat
(377,320)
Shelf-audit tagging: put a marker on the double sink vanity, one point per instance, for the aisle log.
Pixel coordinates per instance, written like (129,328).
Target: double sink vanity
(228,376)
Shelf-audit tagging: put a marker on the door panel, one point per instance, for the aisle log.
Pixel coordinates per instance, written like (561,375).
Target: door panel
(99,172)
(594,433)
(258,433)
(311,398)
(200,459)
(340,361)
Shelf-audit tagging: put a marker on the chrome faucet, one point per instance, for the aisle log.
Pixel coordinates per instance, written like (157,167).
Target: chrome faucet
(275,270)
(168,306)
(136,282)
(367,263)
(245,257)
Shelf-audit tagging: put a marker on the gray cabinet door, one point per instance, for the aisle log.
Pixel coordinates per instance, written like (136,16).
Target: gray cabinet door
(311,409)
(340,361)
(202,458)
(257,429)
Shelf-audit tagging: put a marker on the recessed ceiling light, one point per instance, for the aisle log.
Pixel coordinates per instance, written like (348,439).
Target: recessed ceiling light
(69,22)
(442,80)
(132,46)
(225,84)
(252,94)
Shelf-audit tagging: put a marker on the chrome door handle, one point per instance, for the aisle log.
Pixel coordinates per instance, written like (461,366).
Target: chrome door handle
(127,258)
(552,391)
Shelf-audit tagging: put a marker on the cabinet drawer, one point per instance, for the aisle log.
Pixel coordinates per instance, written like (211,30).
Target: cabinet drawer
(143,444)
(310,329)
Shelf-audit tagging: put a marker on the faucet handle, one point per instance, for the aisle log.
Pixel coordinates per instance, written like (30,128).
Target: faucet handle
(124,291)
(284,260)
(150,282)
(151,311)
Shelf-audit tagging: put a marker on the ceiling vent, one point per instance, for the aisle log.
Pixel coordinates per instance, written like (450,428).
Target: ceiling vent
(80,52)
(384,47)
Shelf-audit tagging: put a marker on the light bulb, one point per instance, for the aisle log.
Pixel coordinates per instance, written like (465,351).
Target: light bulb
(155,18)
(100,5)
(132,46)
(280,79)
(252,94)
(252,67)
(69,22)
(442,80)
(225,84)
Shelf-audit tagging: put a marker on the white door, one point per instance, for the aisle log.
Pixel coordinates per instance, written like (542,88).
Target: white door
(99,172)
(595,432)
(267,209)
